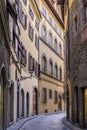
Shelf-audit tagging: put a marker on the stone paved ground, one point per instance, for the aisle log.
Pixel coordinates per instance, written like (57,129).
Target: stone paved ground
(53,121)
(46,122)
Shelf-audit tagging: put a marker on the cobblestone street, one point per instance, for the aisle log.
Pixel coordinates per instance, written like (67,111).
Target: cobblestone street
(46,122)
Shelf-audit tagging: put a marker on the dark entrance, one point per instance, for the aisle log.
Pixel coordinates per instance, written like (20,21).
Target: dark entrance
(11,102)
(3,106)
(18,89)
(35,102)
(76,106)
(27,104)
(22,103)
(60,102)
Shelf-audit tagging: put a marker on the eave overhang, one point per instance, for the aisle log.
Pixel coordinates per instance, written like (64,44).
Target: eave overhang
(54,12)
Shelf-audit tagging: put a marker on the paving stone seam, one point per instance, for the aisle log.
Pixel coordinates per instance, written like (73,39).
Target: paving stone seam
(25,122)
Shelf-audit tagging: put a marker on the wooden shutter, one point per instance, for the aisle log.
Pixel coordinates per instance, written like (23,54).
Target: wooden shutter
(20,9)
(32,33)
(31,63)
(25,53)
(38,69)
(26,21)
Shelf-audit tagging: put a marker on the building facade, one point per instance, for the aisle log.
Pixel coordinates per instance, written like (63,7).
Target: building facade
(4,64)
(76,52)
(23,17)
(51,58)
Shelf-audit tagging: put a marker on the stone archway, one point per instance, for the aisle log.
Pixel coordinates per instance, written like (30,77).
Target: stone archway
(27,104)
(3,99)
(35,101)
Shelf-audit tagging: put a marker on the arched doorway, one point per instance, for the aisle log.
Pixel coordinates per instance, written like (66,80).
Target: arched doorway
(35,102)
(3,98)
(11,102)
(18,90)
(27,104)
(22,103)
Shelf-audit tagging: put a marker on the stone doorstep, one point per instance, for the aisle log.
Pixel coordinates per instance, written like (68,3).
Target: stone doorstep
(20,123)
(69,125)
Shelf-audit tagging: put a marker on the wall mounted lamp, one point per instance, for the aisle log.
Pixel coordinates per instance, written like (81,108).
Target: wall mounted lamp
(30,76)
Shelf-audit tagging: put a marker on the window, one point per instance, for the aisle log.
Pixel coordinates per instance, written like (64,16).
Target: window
(24,20)
(44,64)
(37,42)
(44,11)
(31,32)
(22,53)
(50,39)
(37,25)
(30,62)
(56,71)
(33,65)
(75,23)
(51,68)
(44,95)
(37,69)
(85,12)
(55,45)
(50,94)
(60,74)
(50,20)
(60,50)
(15,38)
(31,13)
(55,97)
(55,27)
(44,33)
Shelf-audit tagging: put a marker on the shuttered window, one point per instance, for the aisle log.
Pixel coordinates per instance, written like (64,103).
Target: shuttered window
(31,63)
(37,25)
(37,41)
(22,15)
(55,96)
(24,20)
(31,32)
(44,95)
(19,9)
(37,69)
(31,13)
(22,54)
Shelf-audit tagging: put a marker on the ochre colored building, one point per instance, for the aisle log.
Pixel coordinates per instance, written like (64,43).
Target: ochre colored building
(51,58)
